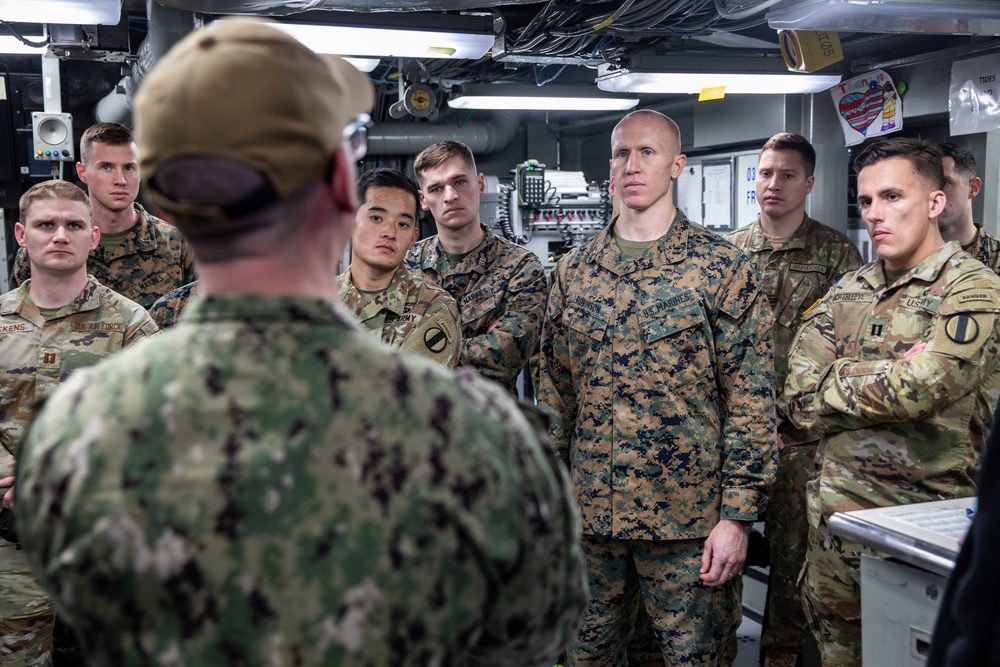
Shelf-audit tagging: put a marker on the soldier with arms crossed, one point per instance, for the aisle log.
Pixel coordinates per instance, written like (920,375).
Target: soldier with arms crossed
(897,370)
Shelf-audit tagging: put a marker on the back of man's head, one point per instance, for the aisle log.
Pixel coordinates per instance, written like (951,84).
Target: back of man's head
(965,161)
(383,177)
(923,155)
(789,141)
(236,120)
(437,154)
(53,189)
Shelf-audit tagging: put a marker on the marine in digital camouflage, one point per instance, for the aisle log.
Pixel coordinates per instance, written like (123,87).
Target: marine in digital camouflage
(895,431)
(409,314)
(39,353)
(151,261)
(167,309)
(986,249)
(657,372)
(347,504)
(794,276)
(501,289)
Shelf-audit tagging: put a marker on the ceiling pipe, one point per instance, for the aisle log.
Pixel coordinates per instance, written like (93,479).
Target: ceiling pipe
(166,27)
(411,138)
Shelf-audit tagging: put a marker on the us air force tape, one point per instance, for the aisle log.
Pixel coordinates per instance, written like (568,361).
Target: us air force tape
(961,328)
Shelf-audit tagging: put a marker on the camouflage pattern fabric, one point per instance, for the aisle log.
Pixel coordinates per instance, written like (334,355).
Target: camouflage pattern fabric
(657,372)
(38,355)
(167,309)
(269,484)
(693,621)
(151,261)
(794,277)
(409,314)
(896,431)
(831,594)
(986,249)
(501,289)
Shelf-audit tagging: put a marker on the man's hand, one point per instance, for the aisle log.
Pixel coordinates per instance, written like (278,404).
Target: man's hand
(777,424)
(915,350)
(725,553)
(8,497)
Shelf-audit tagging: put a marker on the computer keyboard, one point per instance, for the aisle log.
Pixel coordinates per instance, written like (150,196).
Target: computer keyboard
(951,522)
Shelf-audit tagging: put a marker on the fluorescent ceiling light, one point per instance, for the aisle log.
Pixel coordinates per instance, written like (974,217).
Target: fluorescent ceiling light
(539,98)
(82,12)
(958,17)
(12,46)
(687,75)
(363,64)
(356,40)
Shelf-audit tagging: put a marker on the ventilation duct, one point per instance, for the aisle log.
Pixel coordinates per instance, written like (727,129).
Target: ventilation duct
(411,138)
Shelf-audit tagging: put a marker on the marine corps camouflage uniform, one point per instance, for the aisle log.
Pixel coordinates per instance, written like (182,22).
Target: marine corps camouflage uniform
(167,309)
(794,277)
(343,503)
(657,373)
(894,431)
(151,261)
(986,249)
(37,354)
(409,314)
(499,283)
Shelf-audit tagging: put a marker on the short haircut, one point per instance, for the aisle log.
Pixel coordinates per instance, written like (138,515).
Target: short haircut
(383,177)
(922,154)
(112,134)
(667,121)
(437,154)
(789,141)
(54,189)
(965,162)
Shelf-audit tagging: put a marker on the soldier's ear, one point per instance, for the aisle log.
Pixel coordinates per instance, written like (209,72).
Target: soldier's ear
(19,233)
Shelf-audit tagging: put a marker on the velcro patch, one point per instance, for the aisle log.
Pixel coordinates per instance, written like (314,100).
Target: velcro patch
(961,329)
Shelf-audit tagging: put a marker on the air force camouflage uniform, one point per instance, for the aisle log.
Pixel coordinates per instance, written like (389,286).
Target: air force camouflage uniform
(894,431)
(363,507)
(167,309)
(151,261)
(38,354)
(794,277)
(986,249)
(657,372)
(498,283)
(409,314)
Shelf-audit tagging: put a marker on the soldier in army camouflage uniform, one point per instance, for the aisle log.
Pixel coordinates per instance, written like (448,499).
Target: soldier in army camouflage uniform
(898,370)
(656,368)
(53,324)
(388,300)
(500,287)
(140,256)
(167,309)
(961,185)
(267,483)
(798,259)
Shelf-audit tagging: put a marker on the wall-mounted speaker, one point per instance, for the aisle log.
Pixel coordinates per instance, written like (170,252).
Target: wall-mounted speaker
(53,136)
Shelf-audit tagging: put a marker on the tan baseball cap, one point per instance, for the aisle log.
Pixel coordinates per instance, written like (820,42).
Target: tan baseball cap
(251,93)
